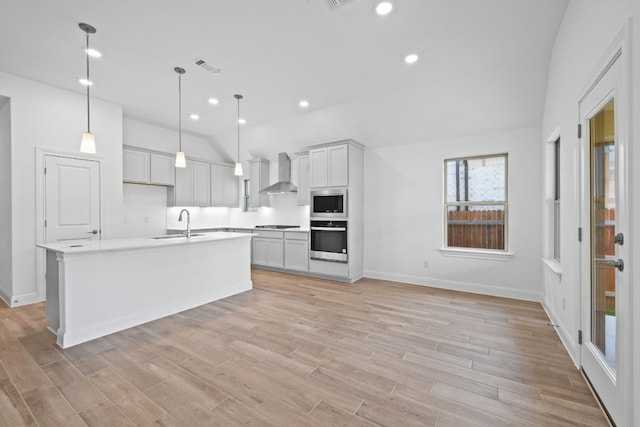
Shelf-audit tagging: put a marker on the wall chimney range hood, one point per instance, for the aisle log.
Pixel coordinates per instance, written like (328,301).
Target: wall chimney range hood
(284,184)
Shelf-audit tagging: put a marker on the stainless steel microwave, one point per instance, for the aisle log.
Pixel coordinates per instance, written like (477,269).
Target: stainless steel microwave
(329,203)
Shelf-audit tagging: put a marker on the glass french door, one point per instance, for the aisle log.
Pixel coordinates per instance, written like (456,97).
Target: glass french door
(604,310)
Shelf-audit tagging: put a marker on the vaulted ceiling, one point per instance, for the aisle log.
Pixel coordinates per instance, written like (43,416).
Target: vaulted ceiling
(483,63)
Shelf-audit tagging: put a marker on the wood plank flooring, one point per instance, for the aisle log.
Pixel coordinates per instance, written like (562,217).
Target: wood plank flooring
(297,351)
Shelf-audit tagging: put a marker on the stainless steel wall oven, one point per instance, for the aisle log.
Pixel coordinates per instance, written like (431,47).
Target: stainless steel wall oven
(329,241)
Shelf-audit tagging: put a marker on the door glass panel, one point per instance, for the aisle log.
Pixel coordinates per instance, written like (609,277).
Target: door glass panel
(603,215)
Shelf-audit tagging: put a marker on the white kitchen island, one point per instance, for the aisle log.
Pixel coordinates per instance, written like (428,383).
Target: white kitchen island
(95,288)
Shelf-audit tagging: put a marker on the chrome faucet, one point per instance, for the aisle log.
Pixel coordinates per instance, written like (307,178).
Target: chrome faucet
(188,232)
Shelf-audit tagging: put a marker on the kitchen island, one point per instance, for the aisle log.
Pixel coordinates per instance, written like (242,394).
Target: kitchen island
(95,288)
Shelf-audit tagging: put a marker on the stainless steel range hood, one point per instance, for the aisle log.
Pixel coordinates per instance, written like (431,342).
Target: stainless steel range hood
(284,184)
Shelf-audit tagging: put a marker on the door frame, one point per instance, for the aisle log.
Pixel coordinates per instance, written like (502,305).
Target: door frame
(619,51)
(41,154)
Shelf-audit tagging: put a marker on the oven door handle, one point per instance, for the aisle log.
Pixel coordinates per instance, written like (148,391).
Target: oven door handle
(328,229)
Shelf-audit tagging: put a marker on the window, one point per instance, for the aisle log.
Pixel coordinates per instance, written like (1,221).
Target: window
(556,199)
(476,202)
(246,199)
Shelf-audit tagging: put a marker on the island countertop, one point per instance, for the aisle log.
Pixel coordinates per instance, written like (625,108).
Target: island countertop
(108,245)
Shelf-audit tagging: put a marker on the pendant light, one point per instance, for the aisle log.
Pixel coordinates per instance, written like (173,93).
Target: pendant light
(88,144)
(180,160)
(238,169)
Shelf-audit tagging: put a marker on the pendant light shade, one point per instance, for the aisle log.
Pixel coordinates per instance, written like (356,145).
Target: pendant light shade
(88,143)
(180,159)
(238,170)
(181,162)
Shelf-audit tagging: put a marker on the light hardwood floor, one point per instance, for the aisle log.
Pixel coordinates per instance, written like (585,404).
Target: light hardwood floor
(297,351)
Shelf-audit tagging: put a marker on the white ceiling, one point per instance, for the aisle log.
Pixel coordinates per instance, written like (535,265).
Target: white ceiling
(483,63)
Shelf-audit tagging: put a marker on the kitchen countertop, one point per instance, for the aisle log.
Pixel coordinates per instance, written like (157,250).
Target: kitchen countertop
(204,229)
(108,245)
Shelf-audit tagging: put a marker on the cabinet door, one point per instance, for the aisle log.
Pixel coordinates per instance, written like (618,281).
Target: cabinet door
(231,188)
(162,170)
(201,183)
(338,166)
(318,167)
(260,251)
(218,185)
(135,166)
(184,185)
(276,253)
(254,186)
(304,196)
(296,255)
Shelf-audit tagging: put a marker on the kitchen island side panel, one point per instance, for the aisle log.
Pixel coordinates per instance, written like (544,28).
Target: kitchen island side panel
(102,293)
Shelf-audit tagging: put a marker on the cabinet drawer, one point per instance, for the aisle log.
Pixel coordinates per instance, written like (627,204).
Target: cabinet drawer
(296,235)
(269,234)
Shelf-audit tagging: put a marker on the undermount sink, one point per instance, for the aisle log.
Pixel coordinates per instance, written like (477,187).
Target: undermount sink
(176,236)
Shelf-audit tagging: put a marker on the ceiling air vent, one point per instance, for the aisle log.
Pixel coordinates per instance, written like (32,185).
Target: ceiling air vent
(210,68)
(335,3)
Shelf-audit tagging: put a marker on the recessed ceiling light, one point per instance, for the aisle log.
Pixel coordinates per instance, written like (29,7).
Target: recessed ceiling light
(242,121)
(383,8)
(85,82)
(214,101)
(304,103)
(93,53)
(194,117)
(411,58)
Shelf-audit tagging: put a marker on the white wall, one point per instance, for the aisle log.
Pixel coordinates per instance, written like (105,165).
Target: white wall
(588,29)
(404,215)
(44,116)
(143,210)
(5,193)
(153,137)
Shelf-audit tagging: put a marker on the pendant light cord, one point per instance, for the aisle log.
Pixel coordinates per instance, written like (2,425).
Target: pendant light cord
(88,86)
(180,110)
(238,131)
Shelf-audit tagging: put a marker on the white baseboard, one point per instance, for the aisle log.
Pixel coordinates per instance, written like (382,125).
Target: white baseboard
(68,339)
(476,288)
(565,336)
(24,299)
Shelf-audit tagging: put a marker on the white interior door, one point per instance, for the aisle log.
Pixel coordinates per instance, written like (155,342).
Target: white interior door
(606,350)
(72,199)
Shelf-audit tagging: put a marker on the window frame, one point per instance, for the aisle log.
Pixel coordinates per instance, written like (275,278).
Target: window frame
(556,200)
(465,203)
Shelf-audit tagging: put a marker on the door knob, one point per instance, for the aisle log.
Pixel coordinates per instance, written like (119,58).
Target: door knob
(93,232)
(619,239)
(619,264)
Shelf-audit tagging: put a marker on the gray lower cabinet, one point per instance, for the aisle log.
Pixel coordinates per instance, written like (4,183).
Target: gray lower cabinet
(296,251)
(268,249)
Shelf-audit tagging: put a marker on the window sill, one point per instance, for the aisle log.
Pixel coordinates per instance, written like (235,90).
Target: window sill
(477,254)
(554,267)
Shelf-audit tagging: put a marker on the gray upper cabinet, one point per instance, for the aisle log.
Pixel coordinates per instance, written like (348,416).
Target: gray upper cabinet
(201,183)
(259,179)
(224,186)
(144,167)
(304,196)
(163,170)
(329,166)
(135,166)
(183,190)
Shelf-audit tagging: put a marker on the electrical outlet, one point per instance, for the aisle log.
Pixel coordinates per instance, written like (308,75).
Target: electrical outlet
(426,264)
(563,303)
